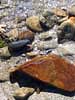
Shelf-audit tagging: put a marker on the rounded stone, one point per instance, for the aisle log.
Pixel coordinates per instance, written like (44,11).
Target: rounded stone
(33,23)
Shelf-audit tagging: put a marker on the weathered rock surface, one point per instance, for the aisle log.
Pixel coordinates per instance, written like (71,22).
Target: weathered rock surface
(51,69)
(33,22)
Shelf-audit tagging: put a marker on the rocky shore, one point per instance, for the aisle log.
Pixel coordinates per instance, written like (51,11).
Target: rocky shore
(29,29)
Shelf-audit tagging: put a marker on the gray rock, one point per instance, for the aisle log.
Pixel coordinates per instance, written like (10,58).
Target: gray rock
(47,35)
(67,48)
(48,20)
(51,44)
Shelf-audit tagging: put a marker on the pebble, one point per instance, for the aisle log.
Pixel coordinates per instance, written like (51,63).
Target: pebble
(18,45)
(23,92)
(32,54)
(33,23)
(4,52)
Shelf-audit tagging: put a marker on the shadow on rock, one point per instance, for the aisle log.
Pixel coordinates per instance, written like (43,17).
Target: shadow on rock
(25,80)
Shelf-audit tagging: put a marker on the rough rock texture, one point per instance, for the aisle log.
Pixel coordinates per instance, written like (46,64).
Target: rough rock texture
(57,71)
(13,14)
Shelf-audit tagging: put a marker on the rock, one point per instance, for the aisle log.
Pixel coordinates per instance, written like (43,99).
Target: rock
(52,17)
(47,35)
(71,11)
(26,35)
(4,52)
(67,48)
(59,12)
(23,92)
(32,54)
(50,44)
(18,45)
(48,20)
(67,30)
(33,23)
(13,33)
(51,69)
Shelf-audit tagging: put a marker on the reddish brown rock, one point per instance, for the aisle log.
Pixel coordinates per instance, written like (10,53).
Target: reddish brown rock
(51,69)
(26,35)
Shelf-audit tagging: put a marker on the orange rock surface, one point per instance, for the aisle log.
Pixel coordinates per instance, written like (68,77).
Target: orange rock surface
(51,69)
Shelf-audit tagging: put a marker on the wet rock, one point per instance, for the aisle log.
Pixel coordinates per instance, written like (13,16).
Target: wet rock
(43,45)
(67,30)
(18,45)
(51,69)
(33,23)
(4,52)
(47,35)
(26,35)
(71,11)
(23,92)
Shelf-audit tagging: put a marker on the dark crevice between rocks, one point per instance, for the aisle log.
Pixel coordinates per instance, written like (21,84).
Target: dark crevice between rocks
(25,80)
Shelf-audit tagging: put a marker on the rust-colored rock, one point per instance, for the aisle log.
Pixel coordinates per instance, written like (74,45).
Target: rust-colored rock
(51,69)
